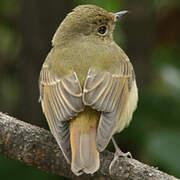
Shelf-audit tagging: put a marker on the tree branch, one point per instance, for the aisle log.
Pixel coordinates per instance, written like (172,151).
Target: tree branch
(36,146)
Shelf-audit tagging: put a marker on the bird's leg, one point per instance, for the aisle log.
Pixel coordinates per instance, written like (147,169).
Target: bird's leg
(117,154)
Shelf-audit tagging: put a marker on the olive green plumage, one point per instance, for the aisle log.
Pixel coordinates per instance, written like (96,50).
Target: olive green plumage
(86,70)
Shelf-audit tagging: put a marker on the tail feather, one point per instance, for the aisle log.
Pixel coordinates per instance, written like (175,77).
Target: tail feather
(89,153)
(76,164)
(85,157)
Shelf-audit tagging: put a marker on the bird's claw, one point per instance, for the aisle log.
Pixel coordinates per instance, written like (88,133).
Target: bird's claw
(128,154)
(118,154)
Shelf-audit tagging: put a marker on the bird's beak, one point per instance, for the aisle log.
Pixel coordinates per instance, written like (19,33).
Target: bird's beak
(118,15)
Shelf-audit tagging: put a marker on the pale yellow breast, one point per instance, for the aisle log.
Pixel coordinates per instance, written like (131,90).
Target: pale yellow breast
(130,107)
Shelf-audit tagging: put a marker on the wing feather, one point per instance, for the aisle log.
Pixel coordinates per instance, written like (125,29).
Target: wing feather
(108,92)
(61,100)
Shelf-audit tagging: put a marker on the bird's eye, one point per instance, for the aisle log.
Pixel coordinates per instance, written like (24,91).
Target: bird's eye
(102,30)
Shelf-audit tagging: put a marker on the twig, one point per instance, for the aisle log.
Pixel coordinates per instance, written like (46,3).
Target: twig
(36,146)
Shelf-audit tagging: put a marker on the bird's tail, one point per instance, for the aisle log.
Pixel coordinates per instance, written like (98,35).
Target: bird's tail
(83,130)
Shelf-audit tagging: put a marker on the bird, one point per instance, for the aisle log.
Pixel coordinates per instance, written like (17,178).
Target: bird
(87,87)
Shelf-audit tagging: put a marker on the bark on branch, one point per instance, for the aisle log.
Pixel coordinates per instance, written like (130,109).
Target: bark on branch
(36,146)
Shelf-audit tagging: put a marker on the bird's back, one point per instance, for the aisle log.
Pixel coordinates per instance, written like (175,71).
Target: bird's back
(81,56)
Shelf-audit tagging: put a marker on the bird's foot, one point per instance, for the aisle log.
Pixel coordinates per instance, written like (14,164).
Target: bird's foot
(118,154)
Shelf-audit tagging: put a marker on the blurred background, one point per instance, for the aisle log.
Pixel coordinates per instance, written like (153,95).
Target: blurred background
(150,35)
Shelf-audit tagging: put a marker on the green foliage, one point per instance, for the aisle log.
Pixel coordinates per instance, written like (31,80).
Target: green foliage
(162,149)
(11,91)
(10,8)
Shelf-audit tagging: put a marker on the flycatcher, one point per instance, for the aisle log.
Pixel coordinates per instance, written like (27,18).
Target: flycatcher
(87,87)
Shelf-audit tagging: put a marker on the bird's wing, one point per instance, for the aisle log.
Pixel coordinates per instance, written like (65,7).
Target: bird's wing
(61,100)
(108,92)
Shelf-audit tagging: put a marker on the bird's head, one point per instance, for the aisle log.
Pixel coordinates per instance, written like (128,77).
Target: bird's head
(87,21)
